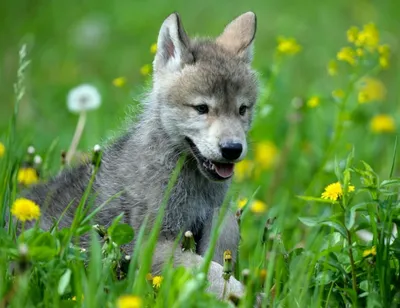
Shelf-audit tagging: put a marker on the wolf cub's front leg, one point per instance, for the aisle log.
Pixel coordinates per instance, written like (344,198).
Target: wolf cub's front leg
(229,239)
(164,250)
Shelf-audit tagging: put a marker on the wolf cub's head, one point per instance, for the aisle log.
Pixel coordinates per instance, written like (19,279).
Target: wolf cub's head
(206,90)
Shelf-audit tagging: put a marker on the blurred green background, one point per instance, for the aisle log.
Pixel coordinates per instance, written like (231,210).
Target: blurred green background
(75,42)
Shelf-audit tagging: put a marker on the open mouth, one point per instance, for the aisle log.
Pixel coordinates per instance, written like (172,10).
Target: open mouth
(215,170)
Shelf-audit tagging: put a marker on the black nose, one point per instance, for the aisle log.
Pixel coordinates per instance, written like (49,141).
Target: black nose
(231,150)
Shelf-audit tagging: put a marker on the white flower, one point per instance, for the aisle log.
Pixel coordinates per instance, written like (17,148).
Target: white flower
(31,150)
(37,160)
(97,148)
(82,98)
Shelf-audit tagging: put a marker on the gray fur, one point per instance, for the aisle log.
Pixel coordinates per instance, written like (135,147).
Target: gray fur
(139,164)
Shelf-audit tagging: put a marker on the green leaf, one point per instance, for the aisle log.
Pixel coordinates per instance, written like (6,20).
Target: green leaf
(393,159)
(42,253)
(315,199)
(337,226)
(122,234)
(350,218)
(310,221)
(114,223)
(64,282)
(392,182)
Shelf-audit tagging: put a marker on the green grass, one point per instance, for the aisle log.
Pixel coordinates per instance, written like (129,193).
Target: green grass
(307,246)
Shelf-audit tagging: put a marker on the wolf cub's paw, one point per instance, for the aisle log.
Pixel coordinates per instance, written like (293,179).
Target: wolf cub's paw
(217,283)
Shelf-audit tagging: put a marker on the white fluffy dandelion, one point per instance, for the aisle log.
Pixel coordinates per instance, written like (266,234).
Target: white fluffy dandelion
(80,100)
(83,98)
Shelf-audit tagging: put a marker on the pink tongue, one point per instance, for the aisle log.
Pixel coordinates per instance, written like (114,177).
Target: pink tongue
(224,170)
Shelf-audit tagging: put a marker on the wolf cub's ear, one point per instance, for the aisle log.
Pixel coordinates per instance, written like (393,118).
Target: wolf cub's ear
(238,36)
(172,45)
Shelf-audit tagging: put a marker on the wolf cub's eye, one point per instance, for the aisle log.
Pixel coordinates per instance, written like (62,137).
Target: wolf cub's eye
(242,110)
(201,109)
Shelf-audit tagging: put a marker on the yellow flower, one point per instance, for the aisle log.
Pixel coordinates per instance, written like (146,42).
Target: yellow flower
(242,203)
(153,48)
(371,89)
(258,207)
(25,209)
(129,301)
(384,50)
(338,93)
(334,191)
(288,46)
(360,52)
(243,170)
(119,82)
(313,102)
(382,123)
(383,62)
(368,37)
(265,154)
(157,280)
(332,68)
(347,54)
(149,277)
(27,176)
(352,34)
(2,150)
(145,69)
(370,252)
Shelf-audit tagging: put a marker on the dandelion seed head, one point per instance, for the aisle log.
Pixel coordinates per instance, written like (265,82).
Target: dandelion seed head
(37,160)
(31,150)
(83,98)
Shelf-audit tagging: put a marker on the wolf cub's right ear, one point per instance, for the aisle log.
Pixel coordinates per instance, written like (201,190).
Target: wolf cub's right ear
(238,36)
(172,45)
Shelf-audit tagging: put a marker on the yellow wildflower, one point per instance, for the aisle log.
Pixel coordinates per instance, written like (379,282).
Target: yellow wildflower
(332,68)
(243,170)
(153,48)
(370,252)
(382,123)
(263,274)
(27,176)
(384,50)
(119,82)
(288,46)
(383,62)
(129,301)
(384,54)
(313,102)
(242,203)
(25,209)
(265,154)
(145,69)
(157,280)
(352,34)
(347,54)
(149,277)
(371,89)
(338,93)
(368,37)
(2,150)
(258,207)
(360,52)
(334,191)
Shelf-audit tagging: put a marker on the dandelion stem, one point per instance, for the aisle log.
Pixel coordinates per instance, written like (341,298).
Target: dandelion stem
(353,270)
(77,137)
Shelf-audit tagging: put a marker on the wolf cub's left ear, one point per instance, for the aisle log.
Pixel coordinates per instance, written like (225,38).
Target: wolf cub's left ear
(172,45)
(238,36)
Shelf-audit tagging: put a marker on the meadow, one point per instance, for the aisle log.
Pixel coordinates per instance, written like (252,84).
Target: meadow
(316,197)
